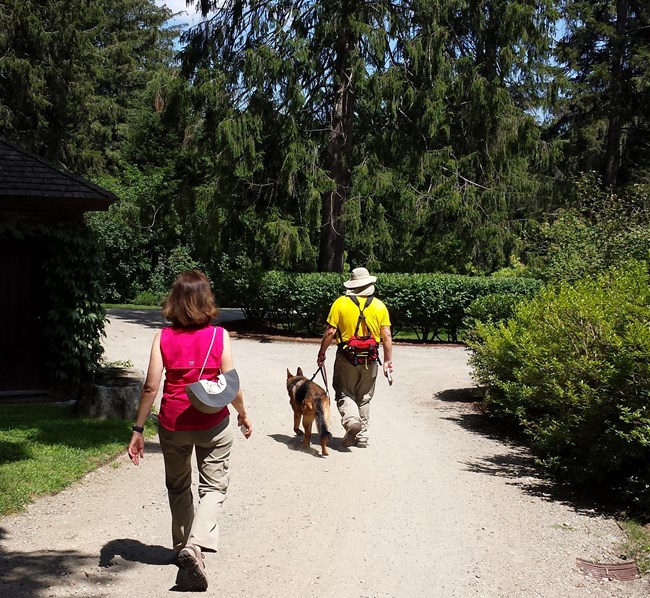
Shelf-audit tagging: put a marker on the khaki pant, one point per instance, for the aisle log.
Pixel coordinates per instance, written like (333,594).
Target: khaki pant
(200,526)
(354,387)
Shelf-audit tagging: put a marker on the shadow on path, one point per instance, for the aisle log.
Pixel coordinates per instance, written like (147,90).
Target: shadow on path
(31,574)
(516,464)
(153,318)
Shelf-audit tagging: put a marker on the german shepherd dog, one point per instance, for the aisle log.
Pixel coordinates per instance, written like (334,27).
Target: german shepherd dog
(309,401)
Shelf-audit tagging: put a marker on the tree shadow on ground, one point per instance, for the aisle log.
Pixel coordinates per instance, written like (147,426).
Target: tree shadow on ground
(517,464)
(38,573)
(29,574)
(153,318)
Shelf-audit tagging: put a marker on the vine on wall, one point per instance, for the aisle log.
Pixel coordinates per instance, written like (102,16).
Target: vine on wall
(74,322)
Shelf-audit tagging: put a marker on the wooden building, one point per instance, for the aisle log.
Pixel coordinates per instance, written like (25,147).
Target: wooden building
(34,195)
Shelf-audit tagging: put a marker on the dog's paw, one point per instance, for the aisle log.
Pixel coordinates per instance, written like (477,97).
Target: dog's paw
(298,432)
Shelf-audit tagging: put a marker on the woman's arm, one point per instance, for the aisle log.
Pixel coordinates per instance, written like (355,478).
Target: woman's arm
(148,396)
(238,403)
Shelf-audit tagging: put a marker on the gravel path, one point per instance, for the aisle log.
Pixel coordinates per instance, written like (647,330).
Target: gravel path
(437,506)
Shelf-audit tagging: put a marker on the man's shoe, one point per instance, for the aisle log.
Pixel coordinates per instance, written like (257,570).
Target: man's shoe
(350,438)
(192,575)
(362,443)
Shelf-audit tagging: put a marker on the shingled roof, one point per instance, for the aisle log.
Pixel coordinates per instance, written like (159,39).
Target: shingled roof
(29,183)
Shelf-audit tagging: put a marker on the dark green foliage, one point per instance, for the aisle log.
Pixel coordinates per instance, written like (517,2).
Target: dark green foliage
(135,255)
(123,242)
(453,153)
(417,114)
(426,303)
(169,267)
(72,70)
(432,303)
(238,285)
(149,299)
(572,368)
(74,323)
(602,110)
(604,229)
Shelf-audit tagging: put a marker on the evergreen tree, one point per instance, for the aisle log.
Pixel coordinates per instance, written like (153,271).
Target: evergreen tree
(407,120)
(604,113)
(305,59)
(454,151)
(71,70)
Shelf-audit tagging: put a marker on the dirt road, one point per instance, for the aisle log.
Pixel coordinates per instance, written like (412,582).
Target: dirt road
(437,506)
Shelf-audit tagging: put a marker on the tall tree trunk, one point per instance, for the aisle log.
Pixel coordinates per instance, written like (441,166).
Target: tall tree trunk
(337,162)
(614,128)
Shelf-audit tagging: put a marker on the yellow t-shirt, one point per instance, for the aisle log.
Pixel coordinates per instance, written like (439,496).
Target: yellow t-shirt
(344,315)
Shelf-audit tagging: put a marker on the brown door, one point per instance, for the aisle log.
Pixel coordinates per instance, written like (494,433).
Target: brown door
(23,305)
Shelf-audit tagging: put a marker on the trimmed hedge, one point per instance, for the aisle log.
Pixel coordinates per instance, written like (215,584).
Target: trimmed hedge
(572,369)
(425,303)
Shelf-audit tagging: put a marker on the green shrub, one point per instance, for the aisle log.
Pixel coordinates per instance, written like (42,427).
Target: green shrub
(169,267)
(238,285)
(429,304)
(572,368)
(148,298)
(601,230)
(499,306)
(311,297)
(74,320)
(491,308)
(275,296)
(432,303)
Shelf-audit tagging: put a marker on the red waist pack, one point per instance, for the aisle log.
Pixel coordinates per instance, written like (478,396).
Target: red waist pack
(360,349)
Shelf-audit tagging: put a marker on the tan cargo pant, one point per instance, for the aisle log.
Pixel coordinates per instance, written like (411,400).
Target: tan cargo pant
(212,447)
(354,387)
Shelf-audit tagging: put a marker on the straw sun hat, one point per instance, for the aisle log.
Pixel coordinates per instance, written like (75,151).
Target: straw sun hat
(360,283)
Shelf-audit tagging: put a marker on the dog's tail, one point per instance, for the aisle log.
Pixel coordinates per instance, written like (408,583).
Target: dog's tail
(321,424)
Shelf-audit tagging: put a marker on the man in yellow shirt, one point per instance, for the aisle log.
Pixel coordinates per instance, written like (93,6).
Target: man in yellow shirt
(358,321)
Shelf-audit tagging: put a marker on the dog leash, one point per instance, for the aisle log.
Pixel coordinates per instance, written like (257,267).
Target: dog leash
(324,374)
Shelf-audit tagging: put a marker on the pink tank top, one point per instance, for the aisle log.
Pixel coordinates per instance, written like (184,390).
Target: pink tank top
(183,353)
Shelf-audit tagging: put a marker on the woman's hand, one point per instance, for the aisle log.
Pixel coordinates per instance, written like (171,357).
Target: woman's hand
(242,420)
(136,448)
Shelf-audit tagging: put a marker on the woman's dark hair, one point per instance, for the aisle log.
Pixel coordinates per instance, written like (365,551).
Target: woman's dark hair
(190,303)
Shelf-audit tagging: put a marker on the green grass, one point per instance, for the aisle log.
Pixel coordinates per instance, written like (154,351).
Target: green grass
(45,448)
(637,546)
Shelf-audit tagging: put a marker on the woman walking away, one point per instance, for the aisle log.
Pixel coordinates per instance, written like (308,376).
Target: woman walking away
(181,350)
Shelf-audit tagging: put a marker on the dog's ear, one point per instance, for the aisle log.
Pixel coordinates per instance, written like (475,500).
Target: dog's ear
(289,374)
(299,372)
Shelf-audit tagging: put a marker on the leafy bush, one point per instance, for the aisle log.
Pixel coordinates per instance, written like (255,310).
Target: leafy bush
(572,368)
(238,285)
(490,309)
(148,298)
(74,320)
(499,306)
(602,230)
(426,303)
(169,267)
(275,295)
(312,295)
